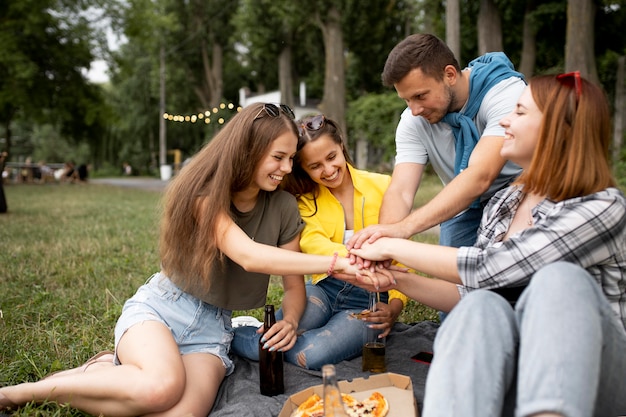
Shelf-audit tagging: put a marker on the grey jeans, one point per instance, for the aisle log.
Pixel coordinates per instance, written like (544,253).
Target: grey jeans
(561,350)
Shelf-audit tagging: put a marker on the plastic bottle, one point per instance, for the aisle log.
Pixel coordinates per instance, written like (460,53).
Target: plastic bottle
(270,362)
(333,404)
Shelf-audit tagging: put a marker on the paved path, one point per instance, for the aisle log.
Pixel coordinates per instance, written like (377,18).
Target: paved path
(144,183)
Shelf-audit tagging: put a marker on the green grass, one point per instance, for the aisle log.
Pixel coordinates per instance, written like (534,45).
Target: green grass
(70,255)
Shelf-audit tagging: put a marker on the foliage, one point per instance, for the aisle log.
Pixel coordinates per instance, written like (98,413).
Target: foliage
(44,49)
(370,33)
(374,117)
(41,81)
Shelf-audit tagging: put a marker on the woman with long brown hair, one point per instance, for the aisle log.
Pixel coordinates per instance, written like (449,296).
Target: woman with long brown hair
(335,200)
(226,226)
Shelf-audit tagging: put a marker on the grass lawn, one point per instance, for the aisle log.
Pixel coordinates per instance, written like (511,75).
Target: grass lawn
(70,255)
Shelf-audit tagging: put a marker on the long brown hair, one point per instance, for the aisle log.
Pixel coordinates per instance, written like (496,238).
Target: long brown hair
(571,157)
(204,188)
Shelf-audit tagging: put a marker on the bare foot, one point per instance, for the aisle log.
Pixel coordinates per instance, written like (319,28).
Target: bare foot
(5,403)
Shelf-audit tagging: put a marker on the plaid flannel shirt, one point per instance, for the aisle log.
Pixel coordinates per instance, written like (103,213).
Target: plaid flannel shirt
(588,231)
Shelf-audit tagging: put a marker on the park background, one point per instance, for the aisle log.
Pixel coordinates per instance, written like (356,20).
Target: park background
(179,69)
(71,254)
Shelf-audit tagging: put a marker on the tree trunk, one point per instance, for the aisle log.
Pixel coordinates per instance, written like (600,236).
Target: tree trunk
(334,100)
(3,199)
(579,48)
(162,127)
(620,109)
(217,66)
(529,42)
(361,152)
(489,28)
(210,91)
(285,79)
(453,27)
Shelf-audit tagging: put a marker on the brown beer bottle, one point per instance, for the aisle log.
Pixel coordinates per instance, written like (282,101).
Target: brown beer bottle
(270,363)
(333,403)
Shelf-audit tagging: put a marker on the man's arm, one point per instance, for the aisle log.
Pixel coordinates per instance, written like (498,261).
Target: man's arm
(400,195)
(485,164)
(483,168)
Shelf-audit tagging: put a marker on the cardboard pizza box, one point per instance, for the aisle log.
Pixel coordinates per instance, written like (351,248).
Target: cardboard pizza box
(397,389)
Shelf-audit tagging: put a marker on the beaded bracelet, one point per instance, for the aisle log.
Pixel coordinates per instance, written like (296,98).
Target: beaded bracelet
(332,264)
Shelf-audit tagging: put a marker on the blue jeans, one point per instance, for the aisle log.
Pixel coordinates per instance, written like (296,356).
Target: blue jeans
(560,350)
(196,326)
(326,332)
(461,230)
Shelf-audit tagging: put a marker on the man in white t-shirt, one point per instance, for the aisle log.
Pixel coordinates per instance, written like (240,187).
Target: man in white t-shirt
(452,121)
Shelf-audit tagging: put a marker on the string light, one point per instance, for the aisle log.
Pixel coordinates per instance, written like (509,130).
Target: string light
(205,115)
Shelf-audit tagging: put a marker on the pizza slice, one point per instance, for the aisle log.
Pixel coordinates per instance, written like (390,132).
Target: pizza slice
(374,406)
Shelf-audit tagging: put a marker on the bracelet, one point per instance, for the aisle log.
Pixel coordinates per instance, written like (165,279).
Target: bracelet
(332,264)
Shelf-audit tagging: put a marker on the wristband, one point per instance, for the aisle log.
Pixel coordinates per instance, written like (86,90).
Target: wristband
(332,264)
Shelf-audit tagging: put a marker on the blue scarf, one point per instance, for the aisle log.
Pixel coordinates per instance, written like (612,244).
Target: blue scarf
(487,71)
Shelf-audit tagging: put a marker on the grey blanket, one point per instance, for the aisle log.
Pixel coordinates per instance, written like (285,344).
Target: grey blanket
(239,394)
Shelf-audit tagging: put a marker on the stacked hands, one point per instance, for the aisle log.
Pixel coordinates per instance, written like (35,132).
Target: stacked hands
(366,267)
(374,268)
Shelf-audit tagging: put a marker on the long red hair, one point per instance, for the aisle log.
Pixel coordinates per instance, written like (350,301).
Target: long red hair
(571,158)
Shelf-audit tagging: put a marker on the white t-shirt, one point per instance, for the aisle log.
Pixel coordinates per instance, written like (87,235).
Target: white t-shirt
(420,142)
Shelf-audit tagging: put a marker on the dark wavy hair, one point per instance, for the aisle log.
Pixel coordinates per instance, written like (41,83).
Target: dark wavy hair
(299,183)
(424,51)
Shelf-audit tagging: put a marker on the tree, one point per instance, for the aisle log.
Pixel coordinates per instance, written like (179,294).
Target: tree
(334,100)
(529,41)
(579,46)
(489,28)
(453,27)
(210,23)
(44,50)
(269,47)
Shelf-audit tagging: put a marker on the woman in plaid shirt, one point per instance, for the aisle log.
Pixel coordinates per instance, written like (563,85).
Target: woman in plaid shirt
(549,339)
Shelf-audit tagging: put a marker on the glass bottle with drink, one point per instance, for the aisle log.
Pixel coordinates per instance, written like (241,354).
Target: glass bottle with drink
(373,344)
(270,362)
(333,403)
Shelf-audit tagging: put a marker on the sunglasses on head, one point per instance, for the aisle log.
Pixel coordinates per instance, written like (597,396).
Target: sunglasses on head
(274,110)
(572,79)
(313,124)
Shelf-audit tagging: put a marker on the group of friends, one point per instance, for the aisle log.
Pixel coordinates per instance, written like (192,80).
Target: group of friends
(529,275)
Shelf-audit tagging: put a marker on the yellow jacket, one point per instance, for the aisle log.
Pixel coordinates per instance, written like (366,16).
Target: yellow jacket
(324,228)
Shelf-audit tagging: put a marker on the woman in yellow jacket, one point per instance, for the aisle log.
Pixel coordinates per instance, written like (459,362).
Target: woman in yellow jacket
(335,200)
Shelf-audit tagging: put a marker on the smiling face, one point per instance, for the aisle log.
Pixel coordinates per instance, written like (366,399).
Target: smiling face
(522,130)
(276,163)
(323,160)
(426,96)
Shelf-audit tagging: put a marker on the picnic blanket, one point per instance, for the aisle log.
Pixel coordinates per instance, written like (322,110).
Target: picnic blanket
(239,394)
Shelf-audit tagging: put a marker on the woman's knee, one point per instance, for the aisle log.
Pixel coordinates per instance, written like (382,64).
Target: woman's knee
(561,277)
(479,310)
(160,394)
(484,301)
(560,287)
(559,271)
(482,316)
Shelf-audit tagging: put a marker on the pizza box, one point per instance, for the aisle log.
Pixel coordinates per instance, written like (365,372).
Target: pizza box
(396,388)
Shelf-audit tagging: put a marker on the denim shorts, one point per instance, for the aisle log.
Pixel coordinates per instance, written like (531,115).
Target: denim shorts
(197,327)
